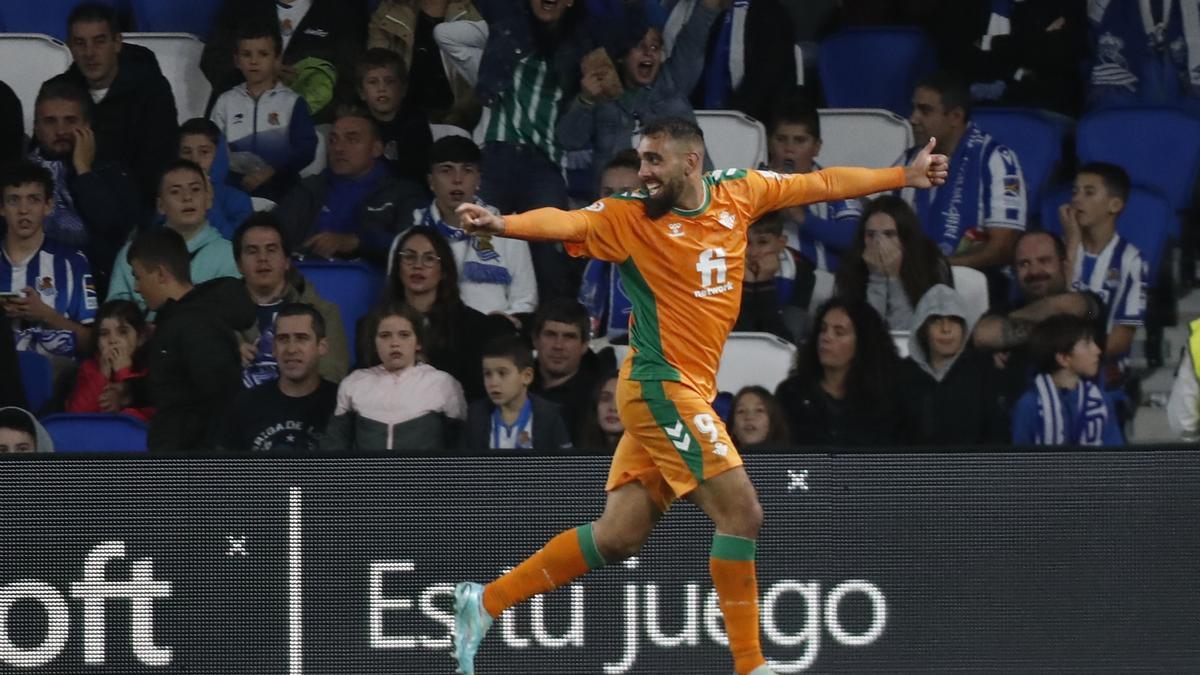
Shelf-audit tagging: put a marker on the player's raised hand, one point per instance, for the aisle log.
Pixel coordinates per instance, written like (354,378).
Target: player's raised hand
(927,169)
(476,219)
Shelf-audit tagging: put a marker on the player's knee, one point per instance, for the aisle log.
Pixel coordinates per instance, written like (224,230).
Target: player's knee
(619,545)
(743,520)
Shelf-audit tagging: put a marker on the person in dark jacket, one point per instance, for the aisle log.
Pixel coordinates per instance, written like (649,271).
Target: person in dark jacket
(194,365)
(567,369)
(12,124)
(511,418)
(321,40)
(135,119)
(96,203)
(950,394)
(12,390)
(423,275)
(840,392)
(355,207)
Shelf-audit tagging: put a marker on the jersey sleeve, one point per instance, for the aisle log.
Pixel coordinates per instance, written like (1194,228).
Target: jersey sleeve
(594,232)
(1129,303)
(1005,197)
(83,304)
(771,191)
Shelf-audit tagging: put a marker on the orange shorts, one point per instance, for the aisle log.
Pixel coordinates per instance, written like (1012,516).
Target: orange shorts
(673,440)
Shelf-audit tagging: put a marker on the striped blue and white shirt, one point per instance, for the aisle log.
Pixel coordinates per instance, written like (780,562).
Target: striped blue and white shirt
(1118,275)
(62,277)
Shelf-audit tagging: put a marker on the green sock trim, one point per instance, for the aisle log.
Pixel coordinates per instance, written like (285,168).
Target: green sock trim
(729,547)
(587,544)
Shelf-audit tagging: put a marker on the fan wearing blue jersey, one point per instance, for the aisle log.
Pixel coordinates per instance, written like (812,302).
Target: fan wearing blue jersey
(1103,262)
(45,287)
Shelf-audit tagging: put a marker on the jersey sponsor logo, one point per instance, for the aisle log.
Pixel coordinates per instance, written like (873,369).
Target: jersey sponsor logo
(713,270)
(595,206)
(676,229)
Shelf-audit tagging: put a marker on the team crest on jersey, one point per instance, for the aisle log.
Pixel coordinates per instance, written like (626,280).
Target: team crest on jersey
(596,206)
(45,287)
(676,229)
(727,219)
(273,119)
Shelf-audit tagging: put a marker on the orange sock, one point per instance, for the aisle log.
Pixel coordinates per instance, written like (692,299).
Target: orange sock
(569,554)
(732,567)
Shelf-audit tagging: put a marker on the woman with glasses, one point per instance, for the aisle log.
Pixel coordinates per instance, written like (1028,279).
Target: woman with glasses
(422,274)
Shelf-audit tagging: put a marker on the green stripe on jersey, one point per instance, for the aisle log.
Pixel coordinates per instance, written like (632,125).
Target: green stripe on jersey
(527,113)
(666,416)
(649,362)
(729,547)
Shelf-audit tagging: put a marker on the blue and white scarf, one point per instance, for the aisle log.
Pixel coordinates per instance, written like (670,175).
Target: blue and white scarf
(1088,419)
(64,224)
(948,211)
(489,268)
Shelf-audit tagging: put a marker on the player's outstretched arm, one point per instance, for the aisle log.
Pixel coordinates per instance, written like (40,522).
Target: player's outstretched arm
(545,224)
(927,169)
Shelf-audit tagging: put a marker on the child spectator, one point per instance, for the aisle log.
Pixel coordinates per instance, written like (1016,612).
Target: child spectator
(421,274)
(758,420)
(270,132)
(200,141)
(511,418)
(602,426)
(609,111)
(495,274)
(118,357)
(821,232)
(1064,406)
(45,287)
(779,282)
(950,394)
(21,432)
(601,291)
(840,392)
(194,366)
(397,403)
(291,412)
(382,83)
(891,263)
(184,198)
(1104,262)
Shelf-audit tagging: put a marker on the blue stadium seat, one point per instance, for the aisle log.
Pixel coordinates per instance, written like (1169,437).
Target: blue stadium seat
(1158,146)
(1036,136)
(874,67)
(351,285)
(40,16)
(96,432)
(37,378)
(1146,222)
(173,16)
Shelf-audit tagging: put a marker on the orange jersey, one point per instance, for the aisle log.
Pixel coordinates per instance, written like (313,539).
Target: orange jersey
(683,272)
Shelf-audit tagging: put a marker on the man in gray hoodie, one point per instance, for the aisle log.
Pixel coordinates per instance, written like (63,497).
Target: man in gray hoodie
(21,432)
(951,393)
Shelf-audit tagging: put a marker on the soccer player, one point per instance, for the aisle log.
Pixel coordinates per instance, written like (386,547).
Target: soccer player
(680,246)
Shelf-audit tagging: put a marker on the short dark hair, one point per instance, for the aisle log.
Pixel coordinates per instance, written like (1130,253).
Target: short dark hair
(510,347)
(201,126)
(64,90)
(675,128)
(1115,179)
(181,164)
(378,57)
(165,248)
(123,311)
(303,309)
(23,171)
(264,219)
(563,310)
(770,223)
(794,110)
(88,12)
(951,87)
(453,148)
(625,159)
(1060,247)
(20,420)
(254,30)
(361,113)
(1057,335)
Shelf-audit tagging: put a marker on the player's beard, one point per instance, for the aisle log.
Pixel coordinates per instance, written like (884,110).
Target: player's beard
(657,207)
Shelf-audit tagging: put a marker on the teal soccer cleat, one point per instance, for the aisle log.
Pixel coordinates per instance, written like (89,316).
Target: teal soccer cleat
(762,670)
(471,623)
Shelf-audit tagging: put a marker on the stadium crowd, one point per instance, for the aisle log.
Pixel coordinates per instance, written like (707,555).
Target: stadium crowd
(154,264)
